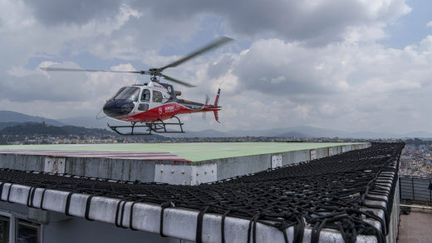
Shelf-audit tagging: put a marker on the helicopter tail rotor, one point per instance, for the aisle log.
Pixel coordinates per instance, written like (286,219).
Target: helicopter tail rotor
(216,105)
(216,115)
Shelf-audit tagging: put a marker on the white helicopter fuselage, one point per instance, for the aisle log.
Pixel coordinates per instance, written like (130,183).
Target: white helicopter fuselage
(151,102)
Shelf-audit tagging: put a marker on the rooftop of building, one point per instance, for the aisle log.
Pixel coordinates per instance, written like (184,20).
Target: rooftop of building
(343,197)
(189,151)
(415,224)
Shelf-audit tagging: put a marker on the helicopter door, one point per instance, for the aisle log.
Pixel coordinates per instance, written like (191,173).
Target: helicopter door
(144,100)
(157,96)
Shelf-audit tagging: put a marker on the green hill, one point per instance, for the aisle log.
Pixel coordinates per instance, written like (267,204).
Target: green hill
(31,129)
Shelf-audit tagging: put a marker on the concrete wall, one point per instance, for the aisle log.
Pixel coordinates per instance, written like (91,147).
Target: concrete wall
(22,162)
(394,218)
(231,167)
(168,171)
(80,230)
(57,228)
(117,169)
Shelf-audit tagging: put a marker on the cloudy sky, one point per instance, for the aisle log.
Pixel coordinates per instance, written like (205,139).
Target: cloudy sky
(343,64)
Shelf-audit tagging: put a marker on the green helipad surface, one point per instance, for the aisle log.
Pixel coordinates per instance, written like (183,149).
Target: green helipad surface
(189,151)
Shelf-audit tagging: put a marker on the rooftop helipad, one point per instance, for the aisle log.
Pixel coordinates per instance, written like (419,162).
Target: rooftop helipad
(348,197)
(188,151)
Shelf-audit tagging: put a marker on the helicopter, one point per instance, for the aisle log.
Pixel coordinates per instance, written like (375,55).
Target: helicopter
(153,107)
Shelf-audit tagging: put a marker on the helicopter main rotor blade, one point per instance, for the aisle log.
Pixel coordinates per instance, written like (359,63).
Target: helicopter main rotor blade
(177,81)
(217,43)
(59,69)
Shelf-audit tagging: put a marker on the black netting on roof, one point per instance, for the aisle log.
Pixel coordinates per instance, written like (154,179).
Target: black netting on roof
(331,192)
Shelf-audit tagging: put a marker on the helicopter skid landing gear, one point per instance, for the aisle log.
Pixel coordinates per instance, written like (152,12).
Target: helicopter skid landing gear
(149,128)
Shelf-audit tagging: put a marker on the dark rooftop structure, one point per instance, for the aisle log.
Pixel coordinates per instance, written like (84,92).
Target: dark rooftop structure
(347,197)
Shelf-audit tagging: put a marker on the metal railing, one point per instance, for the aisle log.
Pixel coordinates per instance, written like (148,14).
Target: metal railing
(415,190)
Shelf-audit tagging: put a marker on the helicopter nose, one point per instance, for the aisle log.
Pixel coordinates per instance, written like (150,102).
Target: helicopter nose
(115,108)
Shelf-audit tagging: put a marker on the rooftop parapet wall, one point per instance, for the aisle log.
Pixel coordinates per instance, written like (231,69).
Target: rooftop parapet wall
(349,197)
(162,166)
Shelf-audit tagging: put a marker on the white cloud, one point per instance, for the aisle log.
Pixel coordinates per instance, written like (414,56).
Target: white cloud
(346,85)
(25,85)
(365,33)
(429,24)
(314,22)
(14,15)
(298,62)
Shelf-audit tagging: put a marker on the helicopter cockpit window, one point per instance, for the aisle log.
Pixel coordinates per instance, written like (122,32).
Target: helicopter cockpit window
(157,96)
(119,91)
(145,96)
(128,93)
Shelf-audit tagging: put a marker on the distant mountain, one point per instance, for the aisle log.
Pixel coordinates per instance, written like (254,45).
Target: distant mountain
(10,118)
(199,134)
(371,135)
(31,129)
(293,135)
(239,133)
(16,117)
(297,132)
(8,124)
(418,134)
(305,132)
(82,121)
(310,131)
(293,132)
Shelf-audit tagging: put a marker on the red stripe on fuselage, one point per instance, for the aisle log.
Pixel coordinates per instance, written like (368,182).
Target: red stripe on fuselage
(164,112)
